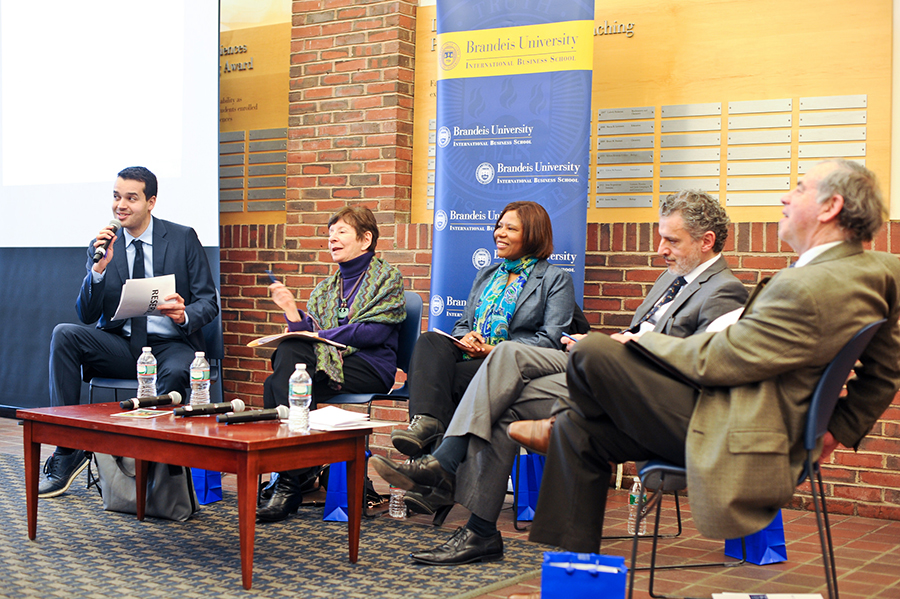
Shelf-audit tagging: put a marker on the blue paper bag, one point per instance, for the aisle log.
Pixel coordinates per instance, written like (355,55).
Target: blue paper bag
(336,509)
(764,547)
(528,482)
(567,575)
(208,485)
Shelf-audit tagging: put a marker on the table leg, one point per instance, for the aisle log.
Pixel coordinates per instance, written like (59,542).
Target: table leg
(141,468)
(355,485)
(32,472)
(247,492)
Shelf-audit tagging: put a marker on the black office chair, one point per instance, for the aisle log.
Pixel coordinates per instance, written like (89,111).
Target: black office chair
(410,329)
(215,352)
(659,474)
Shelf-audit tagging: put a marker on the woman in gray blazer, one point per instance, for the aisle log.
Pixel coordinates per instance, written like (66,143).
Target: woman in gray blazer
(522,299)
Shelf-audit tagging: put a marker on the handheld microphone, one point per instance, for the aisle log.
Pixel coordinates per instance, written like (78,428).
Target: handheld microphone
(279,413)
(100,251)
(172,397)
(235,405)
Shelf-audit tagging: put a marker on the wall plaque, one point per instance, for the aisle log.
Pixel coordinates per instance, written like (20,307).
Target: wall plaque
(670,185)
(620,157)
(690,139)
(626,114)
(625,172)
(711,108)
(623,201)
(698,155)
(760,106)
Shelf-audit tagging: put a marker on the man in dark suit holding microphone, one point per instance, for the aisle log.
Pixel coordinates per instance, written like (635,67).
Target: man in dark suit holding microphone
(145,247)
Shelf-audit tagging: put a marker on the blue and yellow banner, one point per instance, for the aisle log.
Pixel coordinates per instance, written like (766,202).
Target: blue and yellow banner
(513,123)
(528,49)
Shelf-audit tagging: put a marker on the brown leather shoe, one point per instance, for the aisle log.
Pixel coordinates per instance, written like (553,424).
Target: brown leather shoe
(532,434)
(536,595)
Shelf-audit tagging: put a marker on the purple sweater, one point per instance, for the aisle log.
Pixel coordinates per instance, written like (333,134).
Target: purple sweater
(376,342)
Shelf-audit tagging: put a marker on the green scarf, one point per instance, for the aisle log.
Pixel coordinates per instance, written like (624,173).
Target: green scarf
(379,299)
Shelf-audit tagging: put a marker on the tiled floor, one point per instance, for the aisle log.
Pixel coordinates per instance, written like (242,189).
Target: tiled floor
(868,550)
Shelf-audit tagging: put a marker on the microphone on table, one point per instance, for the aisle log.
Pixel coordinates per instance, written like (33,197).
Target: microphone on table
(235,405)
(279,413)
(172,397)
(100,251)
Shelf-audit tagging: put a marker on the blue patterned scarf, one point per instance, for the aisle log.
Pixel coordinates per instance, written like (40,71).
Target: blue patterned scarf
(498,300)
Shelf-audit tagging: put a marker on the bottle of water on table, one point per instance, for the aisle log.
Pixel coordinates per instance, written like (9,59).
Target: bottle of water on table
(199,380)
(146,373)
(299,400)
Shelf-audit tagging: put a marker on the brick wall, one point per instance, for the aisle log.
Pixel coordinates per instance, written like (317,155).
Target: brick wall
(350,140)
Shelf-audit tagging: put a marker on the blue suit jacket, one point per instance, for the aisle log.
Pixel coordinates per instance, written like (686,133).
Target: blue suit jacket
(543,311)
(176,250)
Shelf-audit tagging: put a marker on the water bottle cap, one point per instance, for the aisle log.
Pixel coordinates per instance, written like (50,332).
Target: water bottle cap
(636,479)
(301,366)
(199,354)
(145,348)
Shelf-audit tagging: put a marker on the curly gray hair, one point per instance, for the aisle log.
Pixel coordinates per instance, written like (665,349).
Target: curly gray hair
(700,213)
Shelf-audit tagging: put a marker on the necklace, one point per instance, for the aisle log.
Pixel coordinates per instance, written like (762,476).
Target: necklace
(343,309)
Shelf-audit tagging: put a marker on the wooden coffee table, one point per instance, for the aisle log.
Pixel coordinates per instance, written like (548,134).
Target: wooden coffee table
(245,449)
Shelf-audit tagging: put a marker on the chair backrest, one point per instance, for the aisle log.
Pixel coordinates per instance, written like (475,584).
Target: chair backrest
(828,390)
(212,335)
(410,329)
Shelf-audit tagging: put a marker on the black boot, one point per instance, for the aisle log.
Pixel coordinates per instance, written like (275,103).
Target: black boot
(285,500)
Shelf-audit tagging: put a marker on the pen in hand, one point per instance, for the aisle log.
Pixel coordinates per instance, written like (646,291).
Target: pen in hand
(568,336)
(271,276)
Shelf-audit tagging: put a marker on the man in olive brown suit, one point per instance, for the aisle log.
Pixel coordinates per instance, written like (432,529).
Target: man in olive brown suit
(740,436)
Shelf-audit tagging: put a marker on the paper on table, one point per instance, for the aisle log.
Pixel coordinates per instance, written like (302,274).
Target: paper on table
(331,418)
(142,297)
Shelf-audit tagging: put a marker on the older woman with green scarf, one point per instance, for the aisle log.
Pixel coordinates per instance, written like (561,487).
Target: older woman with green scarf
(522,299)
(361,306)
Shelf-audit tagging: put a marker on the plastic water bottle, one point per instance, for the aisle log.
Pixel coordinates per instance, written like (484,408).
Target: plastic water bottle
(146,373)
(199,380)
(299,399)
(396,507)
(634,498)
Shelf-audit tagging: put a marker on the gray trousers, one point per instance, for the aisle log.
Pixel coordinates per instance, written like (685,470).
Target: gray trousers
(620,407)
(515,382)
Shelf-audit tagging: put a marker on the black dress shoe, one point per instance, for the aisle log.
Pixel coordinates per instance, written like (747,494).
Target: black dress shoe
(423,475)
(285,499)
(423,431)
(464,547)
(59,472)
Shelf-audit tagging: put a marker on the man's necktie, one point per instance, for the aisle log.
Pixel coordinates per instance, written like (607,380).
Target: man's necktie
(139,323)
(667,297)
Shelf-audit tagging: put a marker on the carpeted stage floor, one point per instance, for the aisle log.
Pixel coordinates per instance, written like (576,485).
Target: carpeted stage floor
(82,551)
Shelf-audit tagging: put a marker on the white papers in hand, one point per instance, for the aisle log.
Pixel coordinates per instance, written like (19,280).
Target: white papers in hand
(142,297)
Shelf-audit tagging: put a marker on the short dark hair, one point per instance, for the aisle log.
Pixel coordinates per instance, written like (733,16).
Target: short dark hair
(139,173)
(361,219)
(864,210)
(537,231)
(700,212)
